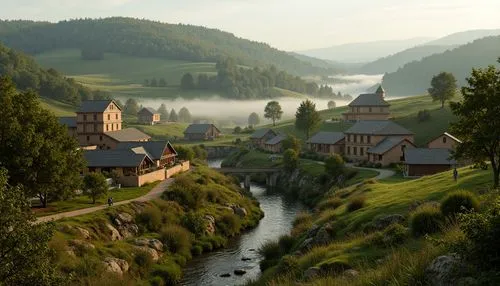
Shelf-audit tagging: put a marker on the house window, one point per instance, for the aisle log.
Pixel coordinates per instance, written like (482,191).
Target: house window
(95,127)
(116,115)
(362,138)
(444,139)
(112,129)
(361,151)
(369,109)
(355,139)
(111,106)
(95,117)
(88,138)
(116,126)
(369,139)
(380,157)
(403,147)
(85,117)
(109,116)
(106,127)
(355,150)
(100,138)
(348,150)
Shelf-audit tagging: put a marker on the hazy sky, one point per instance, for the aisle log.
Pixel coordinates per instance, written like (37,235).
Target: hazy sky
(286,24)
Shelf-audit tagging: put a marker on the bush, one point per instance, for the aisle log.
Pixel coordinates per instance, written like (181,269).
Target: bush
(290,160)
(482,231)
(197,250)
(150,218)
(334,165)
(459,202)
(170,273)
(286,243)
(156,281)
(356,203)
(270,250)
(186,192)
(393,235)
(426,219)
(289,265)
(144,261)
(228,224)
(195,223)
(331,203)
(176,239)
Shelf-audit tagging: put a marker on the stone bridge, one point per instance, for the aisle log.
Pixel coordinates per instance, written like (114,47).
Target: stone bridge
(271,174)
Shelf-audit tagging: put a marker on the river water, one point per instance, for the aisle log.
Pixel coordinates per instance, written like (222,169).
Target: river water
(206,269)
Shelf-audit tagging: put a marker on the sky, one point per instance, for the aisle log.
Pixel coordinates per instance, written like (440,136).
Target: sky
(286,24)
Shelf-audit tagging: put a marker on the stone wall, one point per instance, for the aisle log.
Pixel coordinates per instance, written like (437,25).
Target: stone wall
(179,168)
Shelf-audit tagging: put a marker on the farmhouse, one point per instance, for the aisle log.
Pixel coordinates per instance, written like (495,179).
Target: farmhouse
(390,150)
(365,135)
(275,144)
(370,106)
(99,123)
(161,152)
(327,143)
(261,136)
(444,141)
(424,161)
(196,132)
(148,115)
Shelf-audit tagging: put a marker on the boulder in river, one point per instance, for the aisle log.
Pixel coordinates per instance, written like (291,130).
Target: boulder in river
(225,275)
(239,272)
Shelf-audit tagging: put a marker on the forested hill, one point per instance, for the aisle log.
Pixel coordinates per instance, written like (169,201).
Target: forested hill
(145,38)
(414,78)
(27,74)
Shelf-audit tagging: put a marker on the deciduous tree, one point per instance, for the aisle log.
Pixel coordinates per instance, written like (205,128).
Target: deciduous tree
(187,81)
(443,87)
(307,119)
(273,111)
(253,119)
(290,160)
(331,104)
(292,142)
(478,123)
(95,186)
(334,165)
(185,115)
(131,107)
(35,149)
(162,110)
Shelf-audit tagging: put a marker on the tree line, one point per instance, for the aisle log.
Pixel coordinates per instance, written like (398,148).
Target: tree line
(144,38)
(239,82)
(27,74)
(131,107)
(155,83)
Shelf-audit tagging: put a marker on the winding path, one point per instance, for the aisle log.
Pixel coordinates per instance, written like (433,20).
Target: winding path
(151,195)
(382,173)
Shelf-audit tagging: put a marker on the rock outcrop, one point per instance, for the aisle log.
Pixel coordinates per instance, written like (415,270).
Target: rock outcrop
(152,252)
(444,270)
(113,233)
(149,242)
(210,228)
(115,265)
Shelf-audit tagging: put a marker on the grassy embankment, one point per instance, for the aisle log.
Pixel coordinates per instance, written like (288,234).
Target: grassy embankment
(123,76)
(178,220)
(404,111)
(380,257)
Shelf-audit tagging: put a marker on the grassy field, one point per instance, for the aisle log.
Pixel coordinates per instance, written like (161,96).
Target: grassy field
(82,202)
(57,107)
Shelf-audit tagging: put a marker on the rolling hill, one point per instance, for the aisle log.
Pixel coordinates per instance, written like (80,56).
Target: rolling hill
(465,37)
(415,77)
(147,39)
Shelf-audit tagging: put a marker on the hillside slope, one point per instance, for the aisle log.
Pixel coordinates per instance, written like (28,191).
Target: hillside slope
(145,38)
(415,77)
(464,37)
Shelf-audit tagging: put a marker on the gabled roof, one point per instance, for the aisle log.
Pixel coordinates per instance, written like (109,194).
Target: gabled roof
(258,134)
(128,134)
(155,149)
(68,121)
(387,144)
(425,156)
(148,110)
(380,90)
(369,99)
(115,158)
(276,140)
(378,127)
(326,138)
(96,105)
(449,136)
(199,128)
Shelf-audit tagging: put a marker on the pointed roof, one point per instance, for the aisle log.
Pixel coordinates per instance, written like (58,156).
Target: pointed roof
(261,133)
(387,144)
(369,99)
(115,158)
(128,134)
(96,105)
(378,127)
(276,140)
(326,138)
(199,128)
(425,156)
(380,90)
(155,149)
(148,110)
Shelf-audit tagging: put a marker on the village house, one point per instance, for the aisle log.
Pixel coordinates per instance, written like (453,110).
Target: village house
(424,161)
(370,106)
(70,123)
(148,115)
(390,150)
(99,123)
(274,144)
(261,136)
(365,135)
(161,152)
(444,141)
(327,143)
(198,132)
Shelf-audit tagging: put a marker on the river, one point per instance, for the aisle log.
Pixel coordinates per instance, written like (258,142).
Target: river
(205,270)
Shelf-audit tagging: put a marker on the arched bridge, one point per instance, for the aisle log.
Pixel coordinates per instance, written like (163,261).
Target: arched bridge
(271,178)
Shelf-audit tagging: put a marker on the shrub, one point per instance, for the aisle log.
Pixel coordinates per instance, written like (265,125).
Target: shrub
(144,261)
(331,203)
(156,281)
(197,250)
(270,250)
(290,160)
(150,218)
(482,231)
(334,165)
(459,202)
(195,223)
(289,265)
(356,203)
(176,239)
(426,219)
(228,224)
(395,234)
(286,243)
(186,192)
(302,217)
(170,273)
